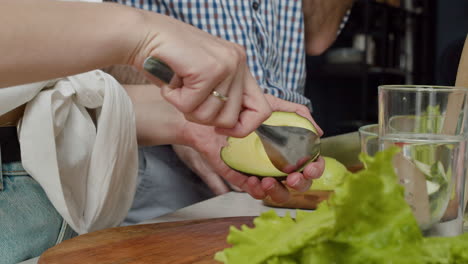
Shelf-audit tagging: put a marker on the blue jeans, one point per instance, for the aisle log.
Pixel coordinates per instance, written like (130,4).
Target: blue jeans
(165,184)
(29,224)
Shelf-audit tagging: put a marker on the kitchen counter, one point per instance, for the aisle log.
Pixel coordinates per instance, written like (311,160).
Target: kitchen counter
(226,205)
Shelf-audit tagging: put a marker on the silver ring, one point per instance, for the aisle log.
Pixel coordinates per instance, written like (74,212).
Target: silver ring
(219,96)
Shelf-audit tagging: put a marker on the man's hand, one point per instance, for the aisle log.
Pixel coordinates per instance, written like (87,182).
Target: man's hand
(208,141)
(199,166)
(158,122)
(322,19)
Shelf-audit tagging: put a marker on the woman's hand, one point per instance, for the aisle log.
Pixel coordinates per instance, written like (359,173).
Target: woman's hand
(204,63)
(67,38)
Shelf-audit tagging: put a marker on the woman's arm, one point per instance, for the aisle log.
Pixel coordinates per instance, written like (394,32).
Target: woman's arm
(48,39)
(157,121)
(322,19)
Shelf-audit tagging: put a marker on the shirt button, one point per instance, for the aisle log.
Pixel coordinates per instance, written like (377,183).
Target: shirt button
(255,5)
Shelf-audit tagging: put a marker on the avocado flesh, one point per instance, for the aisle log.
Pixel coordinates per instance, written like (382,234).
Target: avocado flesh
(332,176)
(247,154)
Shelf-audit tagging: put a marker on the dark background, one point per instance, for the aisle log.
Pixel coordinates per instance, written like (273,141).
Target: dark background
(384,43)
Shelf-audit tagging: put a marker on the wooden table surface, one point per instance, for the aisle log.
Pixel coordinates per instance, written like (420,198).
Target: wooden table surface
(232,204)
(182,242)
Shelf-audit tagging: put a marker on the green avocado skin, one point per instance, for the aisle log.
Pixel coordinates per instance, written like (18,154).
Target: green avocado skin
(332,176)
(260,177)
(279,178)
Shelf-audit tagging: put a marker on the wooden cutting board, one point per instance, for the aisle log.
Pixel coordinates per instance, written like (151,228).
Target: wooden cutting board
(194,241)
(306,200)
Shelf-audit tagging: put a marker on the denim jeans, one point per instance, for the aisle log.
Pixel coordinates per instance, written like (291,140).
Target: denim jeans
(165,184)
(29,224)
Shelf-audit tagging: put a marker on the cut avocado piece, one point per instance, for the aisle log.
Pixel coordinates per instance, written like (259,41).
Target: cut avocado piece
(332,176)
(247,154)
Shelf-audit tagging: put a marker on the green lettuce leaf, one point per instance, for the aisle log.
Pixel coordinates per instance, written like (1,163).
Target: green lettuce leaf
(372,219)
(370,206)
(366,220)
(275,236)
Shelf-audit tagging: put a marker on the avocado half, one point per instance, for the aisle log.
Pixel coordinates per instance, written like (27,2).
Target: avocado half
(247,154)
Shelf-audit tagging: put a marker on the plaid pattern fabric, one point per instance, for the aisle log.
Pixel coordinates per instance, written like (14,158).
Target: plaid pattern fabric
(270,30)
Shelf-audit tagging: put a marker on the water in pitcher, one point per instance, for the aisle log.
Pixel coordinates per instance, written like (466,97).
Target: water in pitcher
(431,168)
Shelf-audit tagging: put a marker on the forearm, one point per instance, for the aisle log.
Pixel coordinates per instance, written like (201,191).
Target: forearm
(322,19)
(157,121)
(48,39)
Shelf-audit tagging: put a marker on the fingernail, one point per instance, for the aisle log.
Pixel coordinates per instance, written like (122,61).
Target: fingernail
(270,187)
(312,173)
(295,183)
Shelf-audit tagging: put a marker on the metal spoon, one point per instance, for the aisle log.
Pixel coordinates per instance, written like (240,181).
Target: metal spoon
(288,148)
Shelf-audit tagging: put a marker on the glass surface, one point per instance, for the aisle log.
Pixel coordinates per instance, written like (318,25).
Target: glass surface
(369,138)
(428,124)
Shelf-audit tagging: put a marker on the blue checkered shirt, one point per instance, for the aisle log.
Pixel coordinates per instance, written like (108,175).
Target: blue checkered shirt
(270,30)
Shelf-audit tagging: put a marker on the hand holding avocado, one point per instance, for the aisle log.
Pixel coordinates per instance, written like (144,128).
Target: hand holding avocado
(209,142)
